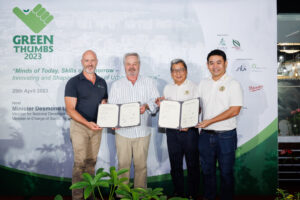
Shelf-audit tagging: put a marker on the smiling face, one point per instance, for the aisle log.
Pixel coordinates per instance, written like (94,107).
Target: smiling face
(132,67)
(178,73)
(217,66)
(89,62)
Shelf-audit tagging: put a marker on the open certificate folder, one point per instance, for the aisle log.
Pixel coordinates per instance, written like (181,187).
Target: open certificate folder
(119,115)
(179,114)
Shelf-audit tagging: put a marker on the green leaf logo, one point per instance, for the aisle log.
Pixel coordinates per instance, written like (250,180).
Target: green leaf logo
(236,43)
(36,20)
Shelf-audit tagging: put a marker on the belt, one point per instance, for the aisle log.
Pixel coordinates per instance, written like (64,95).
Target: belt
(216,132)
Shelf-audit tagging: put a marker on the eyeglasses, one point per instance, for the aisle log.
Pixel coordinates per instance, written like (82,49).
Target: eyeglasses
(178,70)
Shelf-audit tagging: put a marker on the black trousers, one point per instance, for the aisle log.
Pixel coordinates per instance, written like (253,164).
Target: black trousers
(184,144)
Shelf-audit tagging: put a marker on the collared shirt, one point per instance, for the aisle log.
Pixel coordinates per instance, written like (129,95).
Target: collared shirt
(187,90)
(217,97)
(88,95)
(144,91)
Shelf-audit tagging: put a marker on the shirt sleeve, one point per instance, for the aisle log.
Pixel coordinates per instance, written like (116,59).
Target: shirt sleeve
(70,89)
(236,94)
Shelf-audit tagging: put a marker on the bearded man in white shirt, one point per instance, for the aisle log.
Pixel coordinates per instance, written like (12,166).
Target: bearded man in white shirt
(222,100)
(132,143)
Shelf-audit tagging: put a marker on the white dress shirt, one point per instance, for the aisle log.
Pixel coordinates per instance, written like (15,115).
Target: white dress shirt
(217,97)
(144,91)
(187,90)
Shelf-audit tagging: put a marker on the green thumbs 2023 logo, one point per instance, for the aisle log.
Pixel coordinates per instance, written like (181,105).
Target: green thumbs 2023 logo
(34,45)
(36,20)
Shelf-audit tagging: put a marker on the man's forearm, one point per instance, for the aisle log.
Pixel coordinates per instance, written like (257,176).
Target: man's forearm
(75,115)
(231,112)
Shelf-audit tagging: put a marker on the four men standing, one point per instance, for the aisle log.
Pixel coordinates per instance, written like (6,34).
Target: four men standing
(221,98)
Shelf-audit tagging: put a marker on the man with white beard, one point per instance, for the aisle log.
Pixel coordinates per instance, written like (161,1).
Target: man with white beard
(133,142)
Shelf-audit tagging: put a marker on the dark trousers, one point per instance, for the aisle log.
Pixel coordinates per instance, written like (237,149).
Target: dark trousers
(219,147)
(184,144)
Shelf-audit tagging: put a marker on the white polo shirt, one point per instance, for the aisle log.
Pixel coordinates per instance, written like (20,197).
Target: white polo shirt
(187,90)
(217,97)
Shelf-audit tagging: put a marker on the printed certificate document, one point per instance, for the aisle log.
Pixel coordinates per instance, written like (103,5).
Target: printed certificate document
(179,114)
(119,115)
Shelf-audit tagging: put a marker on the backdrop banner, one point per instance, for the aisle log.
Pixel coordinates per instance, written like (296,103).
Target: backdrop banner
(41,47)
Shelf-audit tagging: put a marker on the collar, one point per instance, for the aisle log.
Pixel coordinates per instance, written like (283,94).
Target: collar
(184,83)
(82,77)
(220,79)
(137,80)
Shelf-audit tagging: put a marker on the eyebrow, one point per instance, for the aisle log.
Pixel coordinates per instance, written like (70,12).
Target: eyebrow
(211,61)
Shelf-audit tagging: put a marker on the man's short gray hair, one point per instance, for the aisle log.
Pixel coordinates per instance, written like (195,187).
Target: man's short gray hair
(131,54)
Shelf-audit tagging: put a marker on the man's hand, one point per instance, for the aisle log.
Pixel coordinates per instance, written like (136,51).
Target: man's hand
(93,126)
(104,101)
(143,108)
(158,100)
(203,124)
(37,19)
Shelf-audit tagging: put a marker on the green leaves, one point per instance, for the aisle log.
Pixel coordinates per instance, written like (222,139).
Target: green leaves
(117,186)
(127,192)
(87,191)
(102,184)
(100,176)
(88,178)
(178,198)
(122,171)
(115,181)
(152,194)
(79,185)
(114,176)
(58,197)
(283,195)
(89,183)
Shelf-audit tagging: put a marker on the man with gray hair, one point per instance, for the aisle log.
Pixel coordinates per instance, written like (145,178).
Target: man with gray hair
(133,142)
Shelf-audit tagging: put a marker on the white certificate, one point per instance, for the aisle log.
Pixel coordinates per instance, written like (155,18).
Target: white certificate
(130,114)
(108,115)
(179,114)
(189,113)
(169,114)
(118,115)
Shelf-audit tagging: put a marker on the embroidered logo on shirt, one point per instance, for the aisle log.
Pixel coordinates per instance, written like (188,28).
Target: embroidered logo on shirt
(222,88)
(186,92)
